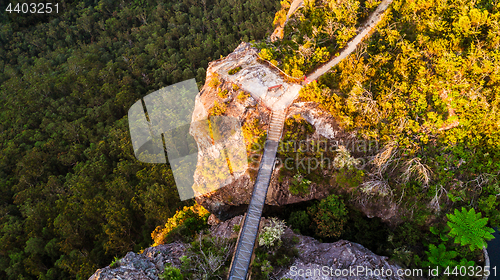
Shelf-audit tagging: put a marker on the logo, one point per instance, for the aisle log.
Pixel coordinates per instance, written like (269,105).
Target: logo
(204,152)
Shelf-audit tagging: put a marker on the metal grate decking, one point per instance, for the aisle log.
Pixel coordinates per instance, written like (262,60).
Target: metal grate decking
(244,249)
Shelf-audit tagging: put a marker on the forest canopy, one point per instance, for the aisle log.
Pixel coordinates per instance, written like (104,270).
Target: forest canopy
(72,195)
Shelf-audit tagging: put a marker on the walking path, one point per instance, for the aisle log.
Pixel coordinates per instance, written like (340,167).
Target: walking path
(246,242)
(372,21)
(250,229)
(278,32)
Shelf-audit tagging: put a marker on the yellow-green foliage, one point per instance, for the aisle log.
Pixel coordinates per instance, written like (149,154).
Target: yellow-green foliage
(235,87)
(218,109)
(428,80)
(243,95)
(222,93)
(196,212)
(319,29)
(324,96)
(279,18)
(252,133)
(285,4)
(321,55)
(266,54)
(371,4)
(293,65)
(234,70)
(214,81)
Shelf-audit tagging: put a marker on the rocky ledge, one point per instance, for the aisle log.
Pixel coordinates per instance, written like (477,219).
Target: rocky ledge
(314,256)
(339,260)
(232,199)
(256,108)
(146,266)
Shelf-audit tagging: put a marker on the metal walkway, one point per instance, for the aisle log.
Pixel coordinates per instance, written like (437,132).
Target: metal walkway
(244,250)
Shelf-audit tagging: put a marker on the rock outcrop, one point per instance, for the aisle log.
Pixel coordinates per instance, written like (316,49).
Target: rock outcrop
(146,266)
(339,260)
(256,107)
(313,255)
(232,199)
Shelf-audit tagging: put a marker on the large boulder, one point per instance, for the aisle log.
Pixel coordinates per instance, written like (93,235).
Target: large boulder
(339,260)
(146,266)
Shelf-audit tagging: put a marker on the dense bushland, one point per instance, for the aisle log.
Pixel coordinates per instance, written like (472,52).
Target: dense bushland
(425,85)
(314,33)
(72,195)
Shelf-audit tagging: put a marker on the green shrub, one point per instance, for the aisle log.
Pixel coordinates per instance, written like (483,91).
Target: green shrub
(267,259)
(299,185)
(115,263)
(329,216)
(299,220)
(171,273)
(266,268)
(234,70)
(490,205)
(283,260)
(468,228)
(236,228)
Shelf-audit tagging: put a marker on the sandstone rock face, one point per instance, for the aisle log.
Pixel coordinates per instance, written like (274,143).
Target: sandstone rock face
(323,122)
(232,199)
(146,266)
(238,190)
(226,229)
(312,255)
(325,261)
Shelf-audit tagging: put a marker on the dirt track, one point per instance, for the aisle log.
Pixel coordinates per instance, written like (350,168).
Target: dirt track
(293,7)
(364,30)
